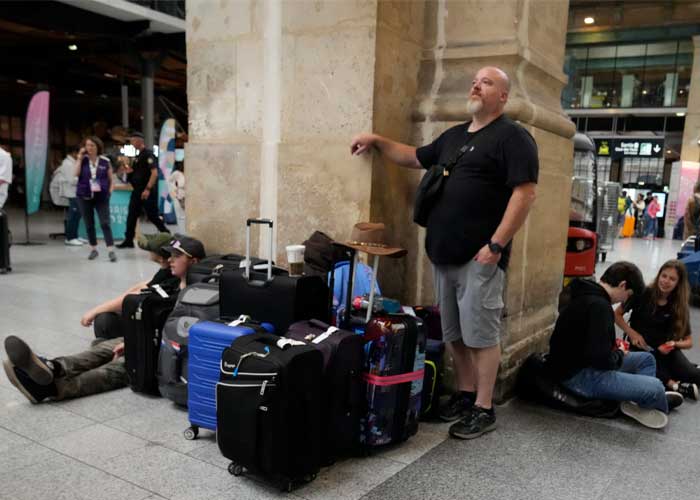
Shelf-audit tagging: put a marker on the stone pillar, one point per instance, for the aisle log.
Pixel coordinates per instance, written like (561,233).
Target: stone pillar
(276,89)
(527,40)
(690,151)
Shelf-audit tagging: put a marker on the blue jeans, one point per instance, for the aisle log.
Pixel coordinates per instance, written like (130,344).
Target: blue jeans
(650,225)
(634,381)
(72,219)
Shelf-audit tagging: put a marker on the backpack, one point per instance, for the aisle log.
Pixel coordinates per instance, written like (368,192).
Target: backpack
(197,302)
(320,254)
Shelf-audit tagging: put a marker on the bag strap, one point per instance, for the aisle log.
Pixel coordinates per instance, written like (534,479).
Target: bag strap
(458,154)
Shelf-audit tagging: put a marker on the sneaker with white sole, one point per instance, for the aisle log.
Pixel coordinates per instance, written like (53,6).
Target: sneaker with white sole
(674,399)
(75,242)
(648,417)
(688,390)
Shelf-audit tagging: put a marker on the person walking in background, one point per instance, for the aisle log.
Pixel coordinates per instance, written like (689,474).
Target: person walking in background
(639,207)
(143,178)
(5,175)
(95,185)
(652,211)
(67,183)
(691,219)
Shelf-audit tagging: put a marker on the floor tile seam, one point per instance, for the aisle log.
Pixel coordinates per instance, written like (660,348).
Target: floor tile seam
(109,473)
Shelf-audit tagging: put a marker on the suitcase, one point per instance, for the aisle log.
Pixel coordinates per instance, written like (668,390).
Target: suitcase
(5,266)
(215,265)
(145,314)
(394,370)
(268,408)
(343,403)
(431,317)
(197,302)
(280,300)
(628,227)
(208,339)
(432,380)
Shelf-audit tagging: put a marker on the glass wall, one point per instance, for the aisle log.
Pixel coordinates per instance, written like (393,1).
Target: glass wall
(632,75)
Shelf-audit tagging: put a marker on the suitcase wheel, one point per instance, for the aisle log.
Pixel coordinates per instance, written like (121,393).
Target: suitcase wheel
(191,433)
(235,469)
(309,477)
(288,487)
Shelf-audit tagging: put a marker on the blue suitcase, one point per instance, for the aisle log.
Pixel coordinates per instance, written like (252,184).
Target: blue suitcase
(208,339)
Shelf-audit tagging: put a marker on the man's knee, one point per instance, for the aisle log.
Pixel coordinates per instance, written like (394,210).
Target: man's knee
(107,326)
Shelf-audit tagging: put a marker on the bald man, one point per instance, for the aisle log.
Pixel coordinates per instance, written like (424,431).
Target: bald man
(485,200)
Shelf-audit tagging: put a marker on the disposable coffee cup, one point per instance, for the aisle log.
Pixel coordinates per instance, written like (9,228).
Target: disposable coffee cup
(295,257)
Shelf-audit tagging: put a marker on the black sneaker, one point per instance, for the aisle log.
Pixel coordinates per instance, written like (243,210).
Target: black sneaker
(674,399)
(125,244)
(456,407)
(32,391)
(688,390)
(22,357)
(474,425)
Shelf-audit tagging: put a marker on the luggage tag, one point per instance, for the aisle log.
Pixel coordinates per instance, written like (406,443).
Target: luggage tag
(241,319)
(95,186)
(284,343)
(331,330)
(160,291)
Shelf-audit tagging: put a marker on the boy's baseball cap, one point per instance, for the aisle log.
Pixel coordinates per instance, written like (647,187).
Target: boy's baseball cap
(191,247)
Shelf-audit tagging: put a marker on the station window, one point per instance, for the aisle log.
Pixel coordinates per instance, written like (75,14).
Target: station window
(630,75)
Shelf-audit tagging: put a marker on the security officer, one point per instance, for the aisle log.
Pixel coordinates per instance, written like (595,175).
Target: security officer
(143,178)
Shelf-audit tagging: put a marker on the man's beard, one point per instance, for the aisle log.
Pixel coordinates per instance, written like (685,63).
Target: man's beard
(474,105)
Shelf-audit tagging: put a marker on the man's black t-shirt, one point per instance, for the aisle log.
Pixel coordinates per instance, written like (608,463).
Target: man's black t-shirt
(143,164)
(499,157)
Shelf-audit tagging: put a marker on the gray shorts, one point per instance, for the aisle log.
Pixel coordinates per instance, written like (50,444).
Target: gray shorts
(470,297)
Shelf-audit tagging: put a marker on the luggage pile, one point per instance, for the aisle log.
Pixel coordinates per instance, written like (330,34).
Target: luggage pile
(289,381)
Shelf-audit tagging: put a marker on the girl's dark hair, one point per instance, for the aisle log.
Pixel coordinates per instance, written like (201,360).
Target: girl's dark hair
(678,299)
(98,142)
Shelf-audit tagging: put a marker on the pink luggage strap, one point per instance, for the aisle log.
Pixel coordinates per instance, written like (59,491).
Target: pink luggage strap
(393,379)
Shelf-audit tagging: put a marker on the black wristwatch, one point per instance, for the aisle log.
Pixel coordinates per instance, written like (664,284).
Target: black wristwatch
(495,247)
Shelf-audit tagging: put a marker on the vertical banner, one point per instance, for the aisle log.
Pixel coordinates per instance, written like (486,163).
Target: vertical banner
(166,163)
(36,142)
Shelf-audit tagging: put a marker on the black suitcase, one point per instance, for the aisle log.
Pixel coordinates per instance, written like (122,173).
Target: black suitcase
(432,380)
(216,264)
(280,300)
(268,408)
(145,314)
(197,302)
(5,266)
(343,389)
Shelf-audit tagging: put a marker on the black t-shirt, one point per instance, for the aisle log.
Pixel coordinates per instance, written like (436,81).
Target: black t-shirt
(143,164)
(654,323)
(500,156)
(164,278)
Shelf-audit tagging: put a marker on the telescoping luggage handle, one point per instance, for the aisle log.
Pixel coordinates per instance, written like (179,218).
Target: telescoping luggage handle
(248,223)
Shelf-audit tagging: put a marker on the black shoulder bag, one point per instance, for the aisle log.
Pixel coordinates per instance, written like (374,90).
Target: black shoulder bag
(431,185)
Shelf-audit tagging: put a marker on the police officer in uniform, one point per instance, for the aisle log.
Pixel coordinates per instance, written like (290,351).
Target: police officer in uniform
(143,178)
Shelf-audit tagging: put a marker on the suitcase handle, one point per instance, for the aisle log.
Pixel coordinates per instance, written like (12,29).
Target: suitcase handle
(248,223)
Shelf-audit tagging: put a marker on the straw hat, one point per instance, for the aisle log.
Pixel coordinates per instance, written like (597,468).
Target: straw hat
(369,237)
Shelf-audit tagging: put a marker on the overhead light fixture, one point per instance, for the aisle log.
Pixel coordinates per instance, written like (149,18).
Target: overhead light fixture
(22,82)
(680,113)
(644,92)
(78,91)
(589,20)
(72,46)
(668,151)
(110,75)
(680,91)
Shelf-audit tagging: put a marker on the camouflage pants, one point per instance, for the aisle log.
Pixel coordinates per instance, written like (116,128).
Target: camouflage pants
(91,372)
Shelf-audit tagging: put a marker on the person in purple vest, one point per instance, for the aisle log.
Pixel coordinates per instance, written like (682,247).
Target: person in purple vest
(94,189)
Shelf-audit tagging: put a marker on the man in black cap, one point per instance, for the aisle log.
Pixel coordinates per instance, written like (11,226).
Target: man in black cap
(97,369)
(143,178)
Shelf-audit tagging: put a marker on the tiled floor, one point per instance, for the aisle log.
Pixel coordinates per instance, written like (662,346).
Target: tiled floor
(121,445)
